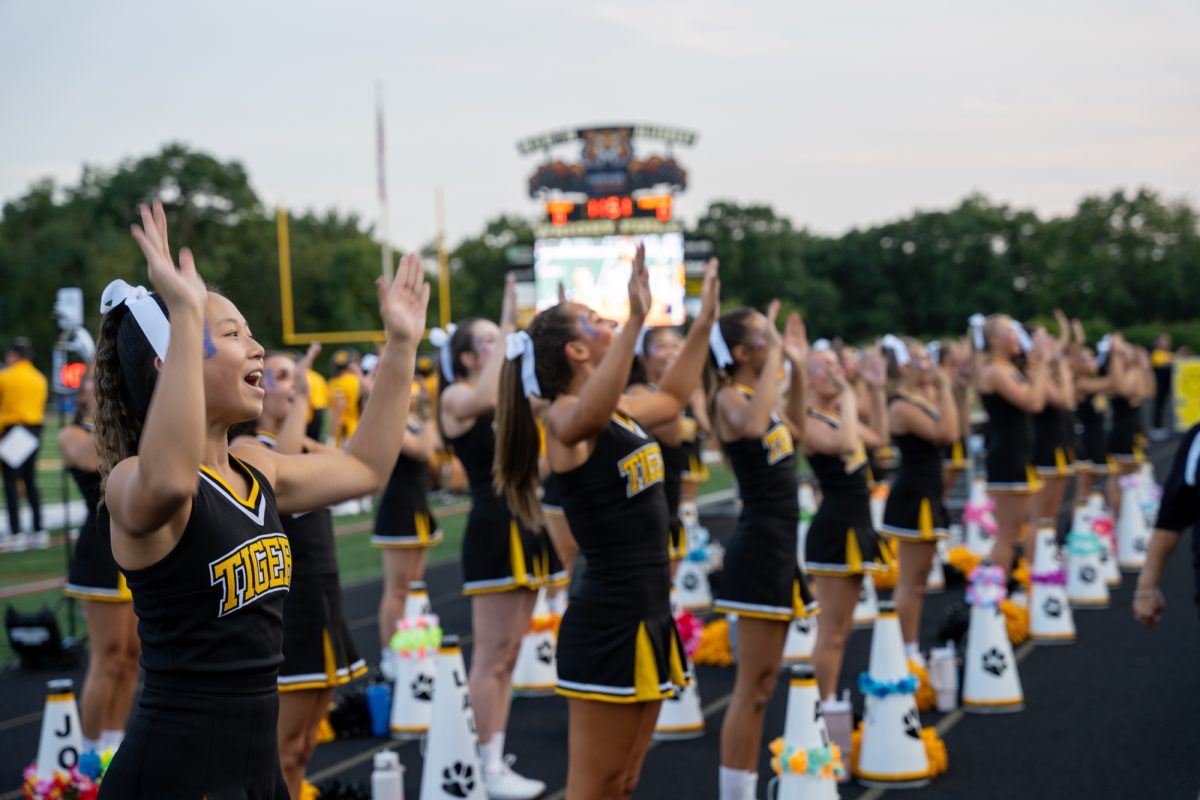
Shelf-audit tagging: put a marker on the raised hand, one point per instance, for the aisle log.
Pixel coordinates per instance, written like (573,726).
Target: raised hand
(303,365)
(402,304)
(1077,328)
(180,288)
(795,340)
(874,368)
(508,306)
(710,293)
(1064,327)
(773,338)
(639,286)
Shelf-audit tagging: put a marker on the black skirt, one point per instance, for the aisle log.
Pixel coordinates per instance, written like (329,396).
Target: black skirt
(191,745)
(318,651)
(498,553)
(761,577)
(842,541)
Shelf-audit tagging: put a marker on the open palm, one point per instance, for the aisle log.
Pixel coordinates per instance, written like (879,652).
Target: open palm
(402,305)
(795,339)
(180,287)
(639,285)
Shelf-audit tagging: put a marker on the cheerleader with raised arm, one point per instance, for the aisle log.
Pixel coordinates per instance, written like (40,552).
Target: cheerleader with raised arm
(923,418)
(196,524)
(761,581)
(619,652)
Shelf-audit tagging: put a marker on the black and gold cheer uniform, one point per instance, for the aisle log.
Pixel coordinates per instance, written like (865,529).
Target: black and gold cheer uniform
(1093,447)
(404,519)
(1124,446)
(677,461)
(498,553)
(318,651)
(1010,467)
(693,444)
(915,511)
(761,577)
(618,642)
(94,574)
(1053,442)
(954,455)
(841,539)
(210,618)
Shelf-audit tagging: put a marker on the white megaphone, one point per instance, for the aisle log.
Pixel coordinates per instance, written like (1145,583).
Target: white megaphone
(979,520)
(60,745)
(416,602)
(1086,584)
(415,643)
(867,607)
(1102,525)
(452,770)
(1133,537)
(534,674)
(1050,617)
(991,684)
(801,639)
(806,763)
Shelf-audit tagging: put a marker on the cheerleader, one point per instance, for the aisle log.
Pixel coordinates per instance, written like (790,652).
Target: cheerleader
(1053,429)
(94,580)
(405,528)
(1010,396)
(1124,453)
(619,653)
(196,525)
(923,417)
(842,544)
(345,389)
(503,561)
(957,368)
(656,353)
(761,582)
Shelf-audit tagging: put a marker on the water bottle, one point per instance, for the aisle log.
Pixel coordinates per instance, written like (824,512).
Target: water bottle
(387,779)
(943,676)
(379,708)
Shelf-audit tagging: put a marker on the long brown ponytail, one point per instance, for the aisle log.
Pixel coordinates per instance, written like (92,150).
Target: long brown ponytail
(515,467)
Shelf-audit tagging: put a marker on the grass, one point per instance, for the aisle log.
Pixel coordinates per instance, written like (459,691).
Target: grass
(357,561)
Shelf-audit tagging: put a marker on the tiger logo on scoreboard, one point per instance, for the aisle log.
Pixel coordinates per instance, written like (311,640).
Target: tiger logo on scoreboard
(607,148)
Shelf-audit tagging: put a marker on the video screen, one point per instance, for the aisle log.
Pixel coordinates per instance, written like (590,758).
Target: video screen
(595,271)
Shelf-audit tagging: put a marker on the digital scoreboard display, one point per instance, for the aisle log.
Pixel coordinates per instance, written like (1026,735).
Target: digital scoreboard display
(595,271)
(560,212)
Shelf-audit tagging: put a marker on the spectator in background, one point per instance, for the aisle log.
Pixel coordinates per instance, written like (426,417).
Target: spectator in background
(23,393)
(318,405)
(1161,359)
(345,392)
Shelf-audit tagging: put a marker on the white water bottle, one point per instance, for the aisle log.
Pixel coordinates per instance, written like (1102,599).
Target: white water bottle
(387,779)
(943,676)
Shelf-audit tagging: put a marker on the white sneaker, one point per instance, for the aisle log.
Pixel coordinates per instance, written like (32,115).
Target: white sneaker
(504,784)
(19,543)
(41,540)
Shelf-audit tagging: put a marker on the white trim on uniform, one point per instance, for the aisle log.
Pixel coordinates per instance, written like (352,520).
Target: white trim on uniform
(615,691)
(762,608)
(1193,461)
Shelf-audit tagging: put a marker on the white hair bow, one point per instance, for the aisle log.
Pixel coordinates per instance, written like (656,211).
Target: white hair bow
(821,344)
(146,312)
(934,348)
(639,349)
(976,321)
(719,347)
(440,338)
(1023,337)
(1103,349)
(899,349)
(520,345)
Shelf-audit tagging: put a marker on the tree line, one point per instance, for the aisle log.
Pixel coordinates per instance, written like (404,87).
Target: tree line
(1128,260)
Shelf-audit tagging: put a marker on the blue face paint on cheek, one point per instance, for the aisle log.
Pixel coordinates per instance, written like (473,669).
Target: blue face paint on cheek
(589,330)
(210,349)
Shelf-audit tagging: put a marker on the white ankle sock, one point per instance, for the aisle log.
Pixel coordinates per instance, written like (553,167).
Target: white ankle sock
(910,649)
(491,754)
(111,738)
(737,784)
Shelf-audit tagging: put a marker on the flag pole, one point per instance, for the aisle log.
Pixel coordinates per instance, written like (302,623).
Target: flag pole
(381,181)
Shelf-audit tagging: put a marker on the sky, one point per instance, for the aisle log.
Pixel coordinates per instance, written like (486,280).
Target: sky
(836,114)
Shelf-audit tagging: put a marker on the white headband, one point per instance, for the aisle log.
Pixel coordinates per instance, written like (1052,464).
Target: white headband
(1023,337)
(1103,349)
(977,321)
(821,344)
(520,345)
(146,312)
(899,349)
(719,347)
(440,339)
(934,348)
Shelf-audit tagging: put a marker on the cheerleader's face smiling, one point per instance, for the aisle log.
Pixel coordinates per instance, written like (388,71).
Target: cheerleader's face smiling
(828,376)
(661,351)
(279,381)
(233,364)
